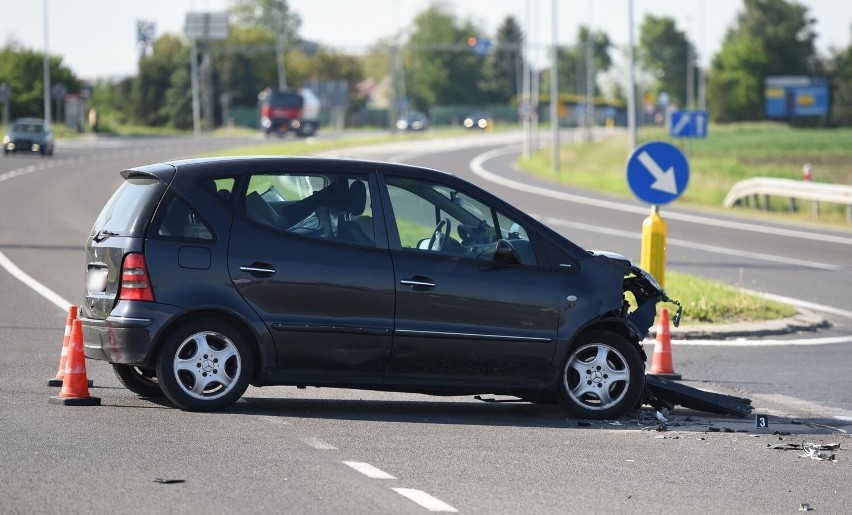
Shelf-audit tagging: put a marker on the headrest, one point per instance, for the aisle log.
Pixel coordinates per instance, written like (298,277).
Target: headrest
(357,198)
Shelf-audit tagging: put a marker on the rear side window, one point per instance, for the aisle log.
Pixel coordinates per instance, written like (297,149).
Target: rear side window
(130,209)
(177,220)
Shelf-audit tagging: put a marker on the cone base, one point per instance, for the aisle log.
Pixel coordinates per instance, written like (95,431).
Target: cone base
(666,375)
(58,382)
(74,401)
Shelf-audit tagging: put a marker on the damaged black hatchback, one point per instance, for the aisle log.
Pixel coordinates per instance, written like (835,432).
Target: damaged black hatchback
(204,276)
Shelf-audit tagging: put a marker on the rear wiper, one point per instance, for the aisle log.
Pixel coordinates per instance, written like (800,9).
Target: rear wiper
(104,234)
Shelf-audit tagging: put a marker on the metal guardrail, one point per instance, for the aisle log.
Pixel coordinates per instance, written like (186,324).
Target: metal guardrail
(766,187)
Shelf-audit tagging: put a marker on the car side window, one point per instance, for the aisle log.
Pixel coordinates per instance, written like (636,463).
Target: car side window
(328,206)
(176,219)
(432,217)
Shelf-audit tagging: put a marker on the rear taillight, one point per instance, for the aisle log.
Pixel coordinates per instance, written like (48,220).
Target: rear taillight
(265,111)
(135,284)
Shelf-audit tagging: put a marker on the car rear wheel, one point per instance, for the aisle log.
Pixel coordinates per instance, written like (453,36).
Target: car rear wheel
(602,377)
(141,381)
(204,365)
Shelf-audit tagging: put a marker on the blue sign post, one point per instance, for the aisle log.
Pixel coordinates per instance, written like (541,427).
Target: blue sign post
(658,173)
(688,124)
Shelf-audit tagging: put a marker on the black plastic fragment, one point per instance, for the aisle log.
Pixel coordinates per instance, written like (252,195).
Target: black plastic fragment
(168,481)
(696,399)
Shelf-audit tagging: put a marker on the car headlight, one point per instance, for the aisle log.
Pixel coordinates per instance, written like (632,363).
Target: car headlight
(468,123)
(6,140)
(483,123)
(402,125)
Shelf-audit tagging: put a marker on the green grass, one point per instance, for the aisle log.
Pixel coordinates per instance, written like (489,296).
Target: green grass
(730,154)
(710,302)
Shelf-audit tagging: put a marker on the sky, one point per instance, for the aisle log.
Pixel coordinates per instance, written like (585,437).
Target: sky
(97,38)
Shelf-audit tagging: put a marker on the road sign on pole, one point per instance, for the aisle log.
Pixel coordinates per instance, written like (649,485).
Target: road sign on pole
(657,172)
(688,124)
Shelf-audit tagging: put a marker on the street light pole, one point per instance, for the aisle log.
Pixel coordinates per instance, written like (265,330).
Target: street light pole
(46,69)
(631,96)
(554,92)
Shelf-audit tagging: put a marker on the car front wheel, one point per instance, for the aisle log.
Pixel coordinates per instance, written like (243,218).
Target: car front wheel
(602,377)
(141,381)
(204,365)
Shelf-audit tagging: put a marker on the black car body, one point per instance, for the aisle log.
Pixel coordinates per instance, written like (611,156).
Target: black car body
(413,121)
(479,120)
(206,275)
(29,135)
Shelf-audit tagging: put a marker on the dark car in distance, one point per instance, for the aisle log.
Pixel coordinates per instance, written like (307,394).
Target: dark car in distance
(207,275)
(413,121)
(29,135)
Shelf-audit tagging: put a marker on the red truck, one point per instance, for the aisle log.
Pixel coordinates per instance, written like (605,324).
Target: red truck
(295,110)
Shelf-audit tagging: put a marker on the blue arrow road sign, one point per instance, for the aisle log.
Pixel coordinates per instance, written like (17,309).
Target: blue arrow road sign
(657,172)
(688,124)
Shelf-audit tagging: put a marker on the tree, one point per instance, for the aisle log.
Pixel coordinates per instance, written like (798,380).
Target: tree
(573,62)
(663,51)
(504,67)
(841,101)
(441,69)
(268,15)
(151,102)
(770,37)
(22,70)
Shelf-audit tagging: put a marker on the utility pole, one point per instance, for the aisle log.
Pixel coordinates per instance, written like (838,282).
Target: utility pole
(590,78)
(554,90)
(46,69)
(279,51)
(525,82)
(631,94)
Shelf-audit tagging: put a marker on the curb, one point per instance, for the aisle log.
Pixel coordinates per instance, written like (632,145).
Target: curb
(803,321)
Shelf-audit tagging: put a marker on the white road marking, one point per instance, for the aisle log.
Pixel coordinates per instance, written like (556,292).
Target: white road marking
(743,342)
(696,246)
(425,500)
(478,168)
(369,470)
(36,286)
(321,445)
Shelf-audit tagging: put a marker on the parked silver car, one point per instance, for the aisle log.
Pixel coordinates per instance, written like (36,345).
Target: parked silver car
(29,135)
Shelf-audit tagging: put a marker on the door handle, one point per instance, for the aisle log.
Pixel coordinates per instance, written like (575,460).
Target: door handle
(418,283)
(258,268)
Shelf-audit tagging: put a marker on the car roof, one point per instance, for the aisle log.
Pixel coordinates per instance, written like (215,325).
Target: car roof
(204,165)
(39,121)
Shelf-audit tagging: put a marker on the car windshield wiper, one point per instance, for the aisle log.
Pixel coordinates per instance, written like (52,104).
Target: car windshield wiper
(104,234)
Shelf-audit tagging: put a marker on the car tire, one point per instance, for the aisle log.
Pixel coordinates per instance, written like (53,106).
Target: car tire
(141,381)
(602,377)
(204,365)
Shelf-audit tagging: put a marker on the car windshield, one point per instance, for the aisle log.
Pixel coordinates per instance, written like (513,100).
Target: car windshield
(29,128)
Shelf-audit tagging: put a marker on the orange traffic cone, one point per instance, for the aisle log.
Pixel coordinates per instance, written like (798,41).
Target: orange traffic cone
(661,365)
(72,315)
(75,389)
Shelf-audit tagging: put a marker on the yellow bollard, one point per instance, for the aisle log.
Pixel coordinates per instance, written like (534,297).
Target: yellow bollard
(654,245)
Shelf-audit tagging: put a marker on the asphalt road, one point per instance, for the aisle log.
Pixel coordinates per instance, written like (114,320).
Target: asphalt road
(284,450)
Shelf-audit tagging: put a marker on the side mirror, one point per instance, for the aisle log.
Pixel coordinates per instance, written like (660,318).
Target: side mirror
(505,254)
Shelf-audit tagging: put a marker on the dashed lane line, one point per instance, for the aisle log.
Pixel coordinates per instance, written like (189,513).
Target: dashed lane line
(425,500)
(321,445)
(369,470)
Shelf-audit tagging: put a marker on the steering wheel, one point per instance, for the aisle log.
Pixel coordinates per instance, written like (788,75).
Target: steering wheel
(436,242)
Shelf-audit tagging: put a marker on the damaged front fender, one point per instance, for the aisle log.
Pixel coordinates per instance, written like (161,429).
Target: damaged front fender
(647,292)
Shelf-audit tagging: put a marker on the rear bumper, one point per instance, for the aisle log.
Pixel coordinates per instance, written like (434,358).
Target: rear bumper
(127,339)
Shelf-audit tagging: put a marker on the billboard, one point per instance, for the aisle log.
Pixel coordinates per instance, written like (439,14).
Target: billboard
(796,96)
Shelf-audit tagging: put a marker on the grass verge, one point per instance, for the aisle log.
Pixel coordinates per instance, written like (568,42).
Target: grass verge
(730,154)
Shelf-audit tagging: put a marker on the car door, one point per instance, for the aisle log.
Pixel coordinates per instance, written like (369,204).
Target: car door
(461,314)
(324,290)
